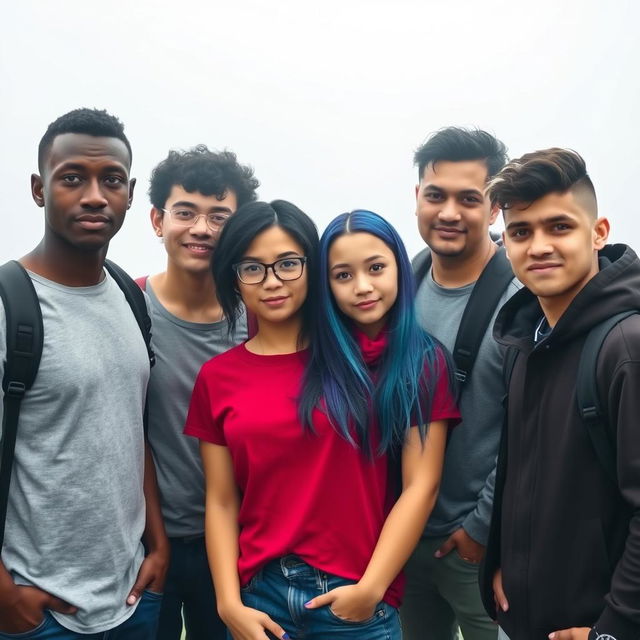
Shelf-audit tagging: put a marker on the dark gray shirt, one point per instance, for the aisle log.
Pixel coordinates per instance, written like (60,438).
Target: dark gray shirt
(466,490)
(181,348)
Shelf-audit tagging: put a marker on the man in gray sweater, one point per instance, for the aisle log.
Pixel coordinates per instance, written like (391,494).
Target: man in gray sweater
(454,216)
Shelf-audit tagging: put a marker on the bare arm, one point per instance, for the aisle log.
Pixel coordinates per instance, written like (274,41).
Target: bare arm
(222,532)
(421,471)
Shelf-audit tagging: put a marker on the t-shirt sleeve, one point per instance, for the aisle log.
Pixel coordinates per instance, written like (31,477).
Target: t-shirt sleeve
(443,404)
(202,422)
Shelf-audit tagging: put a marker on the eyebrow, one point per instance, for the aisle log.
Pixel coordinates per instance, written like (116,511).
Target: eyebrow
(76,166)
(563,217)
(285,254)
(342,265)
(191,205)
(433,187)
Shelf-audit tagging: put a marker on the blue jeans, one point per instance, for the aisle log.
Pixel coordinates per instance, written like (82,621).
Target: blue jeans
(282,587)
(142,625)
(189,594)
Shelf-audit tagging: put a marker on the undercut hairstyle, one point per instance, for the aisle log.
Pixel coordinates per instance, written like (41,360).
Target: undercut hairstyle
(540,173)
(238,233)
(337,380)
(92,122)
(457,144)
(208,172)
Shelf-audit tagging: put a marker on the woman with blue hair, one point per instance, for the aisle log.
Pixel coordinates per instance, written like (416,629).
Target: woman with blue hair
(384,385)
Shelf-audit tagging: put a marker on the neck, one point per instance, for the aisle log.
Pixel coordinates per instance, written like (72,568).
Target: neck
(457,271)
(275,338)
(187,295)
(65,265)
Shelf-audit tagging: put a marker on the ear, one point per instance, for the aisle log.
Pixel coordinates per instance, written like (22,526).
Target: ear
(157,216)
(37,189)
(132,185)
(601,230)
(493,216)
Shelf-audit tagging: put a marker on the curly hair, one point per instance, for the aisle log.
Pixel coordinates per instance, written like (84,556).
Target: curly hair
(93,122)
(199,169)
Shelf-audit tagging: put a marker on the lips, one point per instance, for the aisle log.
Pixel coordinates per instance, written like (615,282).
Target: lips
(449,232)
(93,221)
(198,247)
(367,304)
(275,301)
(542,267)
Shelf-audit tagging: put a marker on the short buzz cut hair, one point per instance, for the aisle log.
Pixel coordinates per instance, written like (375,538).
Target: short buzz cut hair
(93,122)
(199,169)
(457,144)
(538,174)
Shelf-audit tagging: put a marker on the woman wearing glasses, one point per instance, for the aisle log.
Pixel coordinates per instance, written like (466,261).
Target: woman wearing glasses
(295,519)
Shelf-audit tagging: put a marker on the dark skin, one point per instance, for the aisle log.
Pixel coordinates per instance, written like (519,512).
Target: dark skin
(85,191)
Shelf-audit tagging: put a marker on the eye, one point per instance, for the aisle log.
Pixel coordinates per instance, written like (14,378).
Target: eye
(561,226)
(433,196)
(377,267)
(114,180)
(289,264)
(341,275)
(471,200)
(218,218)
(518,234)
(182,214)
(71,179)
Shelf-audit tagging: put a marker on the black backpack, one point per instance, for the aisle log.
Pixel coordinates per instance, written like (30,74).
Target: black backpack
(484,299)
(593,414)
(25,337)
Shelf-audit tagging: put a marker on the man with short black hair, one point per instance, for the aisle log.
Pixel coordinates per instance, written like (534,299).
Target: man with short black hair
(563,557)
(192,193)
(81,497)
(454,215)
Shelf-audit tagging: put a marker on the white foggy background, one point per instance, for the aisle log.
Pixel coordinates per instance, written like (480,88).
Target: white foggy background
(327,101)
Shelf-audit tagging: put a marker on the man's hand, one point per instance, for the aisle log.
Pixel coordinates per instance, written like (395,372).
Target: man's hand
(575,633)
(151,575)
(22,609)
(349,603)
(498,592)
(466,547)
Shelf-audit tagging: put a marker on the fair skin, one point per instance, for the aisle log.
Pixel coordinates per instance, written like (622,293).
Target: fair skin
(553,246)
(454,216)
(186,289)
(85,191)
(362,268)
(277,307)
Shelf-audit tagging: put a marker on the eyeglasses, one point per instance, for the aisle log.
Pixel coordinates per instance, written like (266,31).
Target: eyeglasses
(251,272)
(188,217)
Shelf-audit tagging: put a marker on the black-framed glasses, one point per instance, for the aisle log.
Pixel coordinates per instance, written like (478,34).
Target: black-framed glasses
(252,272)
(188,217)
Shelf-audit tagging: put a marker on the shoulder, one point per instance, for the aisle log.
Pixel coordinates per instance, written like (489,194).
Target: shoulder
(622,343)
(225,360)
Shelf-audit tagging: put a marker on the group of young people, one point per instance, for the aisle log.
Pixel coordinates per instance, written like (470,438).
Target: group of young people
(317,451)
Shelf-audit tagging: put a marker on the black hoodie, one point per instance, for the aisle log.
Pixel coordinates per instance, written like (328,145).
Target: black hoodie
(566,537)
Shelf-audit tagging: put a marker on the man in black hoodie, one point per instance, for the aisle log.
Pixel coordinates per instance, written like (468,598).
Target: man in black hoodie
(563,557)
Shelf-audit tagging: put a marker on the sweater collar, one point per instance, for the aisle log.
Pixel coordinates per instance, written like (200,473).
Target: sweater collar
(371,348)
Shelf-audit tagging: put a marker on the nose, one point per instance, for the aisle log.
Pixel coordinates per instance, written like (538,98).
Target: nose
(539,244)
(362,284)
(200,227)
(449,211)
(93,198)
(271,281)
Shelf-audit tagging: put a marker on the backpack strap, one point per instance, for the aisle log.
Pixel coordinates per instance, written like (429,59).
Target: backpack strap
(589,406)
(136,301)
(421,264)
(24,348)
(484,299)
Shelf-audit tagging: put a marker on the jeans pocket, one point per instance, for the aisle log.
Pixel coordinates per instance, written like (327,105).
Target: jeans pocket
(152,595)
(33,633)
(378,614)
(252,584)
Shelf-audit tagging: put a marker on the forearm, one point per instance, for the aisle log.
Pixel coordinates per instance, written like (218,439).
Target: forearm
(7,585)
(154,535)
(221,529)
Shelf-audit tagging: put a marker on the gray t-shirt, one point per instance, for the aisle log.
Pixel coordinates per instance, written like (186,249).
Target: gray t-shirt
(466,490)
(181,348)
(76,509)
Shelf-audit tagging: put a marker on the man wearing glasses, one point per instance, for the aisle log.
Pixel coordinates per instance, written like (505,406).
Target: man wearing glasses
(192,193)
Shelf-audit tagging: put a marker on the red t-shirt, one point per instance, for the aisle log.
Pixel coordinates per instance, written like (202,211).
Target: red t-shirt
(310,494)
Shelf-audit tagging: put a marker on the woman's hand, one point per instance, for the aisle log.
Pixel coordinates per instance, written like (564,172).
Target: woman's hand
(245,623)
(351,603)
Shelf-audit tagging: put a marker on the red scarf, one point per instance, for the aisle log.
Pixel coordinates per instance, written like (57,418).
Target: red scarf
(371,348)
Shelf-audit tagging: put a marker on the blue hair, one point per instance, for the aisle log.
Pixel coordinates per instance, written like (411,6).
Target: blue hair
(337,380)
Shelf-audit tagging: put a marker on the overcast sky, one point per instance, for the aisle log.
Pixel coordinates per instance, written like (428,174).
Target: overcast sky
(326,100)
